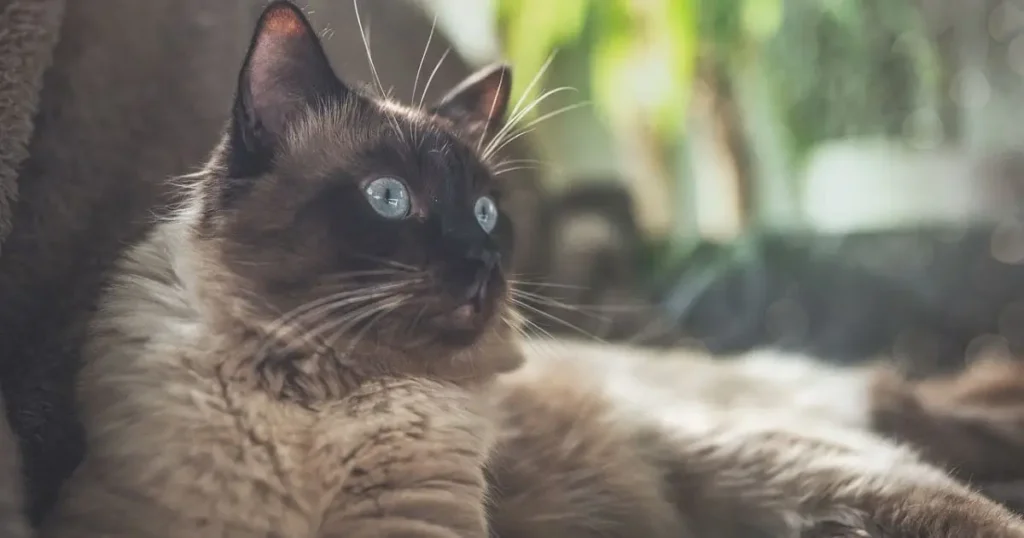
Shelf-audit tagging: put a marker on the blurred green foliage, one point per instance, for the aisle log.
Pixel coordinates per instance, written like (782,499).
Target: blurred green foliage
(849,68)
(833,67)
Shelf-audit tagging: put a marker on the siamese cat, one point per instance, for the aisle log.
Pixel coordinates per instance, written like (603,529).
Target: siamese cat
(320,343)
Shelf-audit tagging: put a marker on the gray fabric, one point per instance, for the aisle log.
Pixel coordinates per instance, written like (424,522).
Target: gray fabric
(28,34)
(12,519)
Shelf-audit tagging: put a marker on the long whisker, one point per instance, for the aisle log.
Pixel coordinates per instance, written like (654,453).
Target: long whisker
(313,334)
(546,285)
(555,318)
(593,312)
(364,34)
(389,263)
(518,116)
(531,340)
(293,325)
(533,82)
(511,169)
(426,87)
(339,297)
(530,127)
(340,325)
(366,45)
(515,115)
(575,307)
(419,69)
(490,113)
(338,278)
(516,162)
(325,309)
(382,312)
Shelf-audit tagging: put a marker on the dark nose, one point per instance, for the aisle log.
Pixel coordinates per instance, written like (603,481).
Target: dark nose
(486,258)
(483,263)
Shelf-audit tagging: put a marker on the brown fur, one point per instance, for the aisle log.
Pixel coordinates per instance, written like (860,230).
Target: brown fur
(190,436)
(578,456)
(971,423)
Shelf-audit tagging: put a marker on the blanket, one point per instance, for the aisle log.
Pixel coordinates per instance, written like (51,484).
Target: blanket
(29,31)
(28,34)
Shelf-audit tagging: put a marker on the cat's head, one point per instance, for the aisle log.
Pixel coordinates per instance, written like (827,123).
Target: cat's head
(348,216)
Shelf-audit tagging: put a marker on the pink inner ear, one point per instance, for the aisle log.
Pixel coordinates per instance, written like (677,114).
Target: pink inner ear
(282,22)
(282,27)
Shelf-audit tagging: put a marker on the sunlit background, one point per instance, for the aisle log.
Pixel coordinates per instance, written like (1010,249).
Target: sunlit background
(732,115)
(842,176)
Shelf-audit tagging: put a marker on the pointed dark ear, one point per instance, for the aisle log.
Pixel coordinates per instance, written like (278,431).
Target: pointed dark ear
(285,72)
(478,104)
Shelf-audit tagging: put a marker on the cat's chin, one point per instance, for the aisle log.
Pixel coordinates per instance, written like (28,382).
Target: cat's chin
(456,330)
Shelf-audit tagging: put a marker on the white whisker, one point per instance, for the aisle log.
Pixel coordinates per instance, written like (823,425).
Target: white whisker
(533,82)
(554,318)
(366,45)
(530,127)
(419,69)
(500,141)
(490,113)
(514,115)
(426,87)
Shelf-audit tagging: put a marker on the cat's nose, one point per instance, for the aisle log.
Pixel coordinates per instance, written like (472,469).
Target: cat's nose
(483,264)
(486,258)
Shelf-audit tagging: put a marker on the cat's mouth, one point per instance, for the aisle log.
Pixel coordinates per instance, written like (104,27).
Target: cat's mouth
(468,314)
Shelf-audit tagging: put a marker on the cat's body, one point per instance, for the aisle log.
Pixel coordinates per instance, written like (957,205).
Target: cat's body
(611,441)
(182,445)
(238,379)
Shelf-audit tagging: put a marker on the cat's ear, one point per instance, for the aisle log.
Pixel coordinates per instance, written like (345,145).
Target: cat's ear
(286,71)
(478,104)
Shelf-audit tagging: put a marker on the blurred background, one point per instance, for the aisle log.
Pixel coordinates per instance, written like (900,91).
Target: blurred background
(841,177)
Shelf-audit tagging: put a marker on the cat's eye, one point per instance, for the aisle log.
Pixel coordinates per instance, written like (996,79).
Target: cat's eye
(486,213)
(389,197)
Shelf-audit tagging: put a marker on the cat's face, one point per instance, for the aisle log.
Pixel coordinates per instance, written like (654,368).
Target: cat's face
(354,217)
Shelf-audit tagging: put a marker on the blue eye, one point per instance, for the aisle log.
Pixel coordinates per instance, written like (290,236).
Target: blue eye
(486,213)
(389,197)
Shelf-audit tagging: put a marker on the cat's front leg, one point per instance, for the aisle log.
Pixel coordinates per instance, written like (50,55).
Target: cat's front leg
(418,473)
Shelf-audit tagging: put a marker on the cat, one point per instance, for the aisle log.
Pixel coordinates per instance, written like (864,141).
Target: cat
(206,416)
(319,343)
(137,93)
